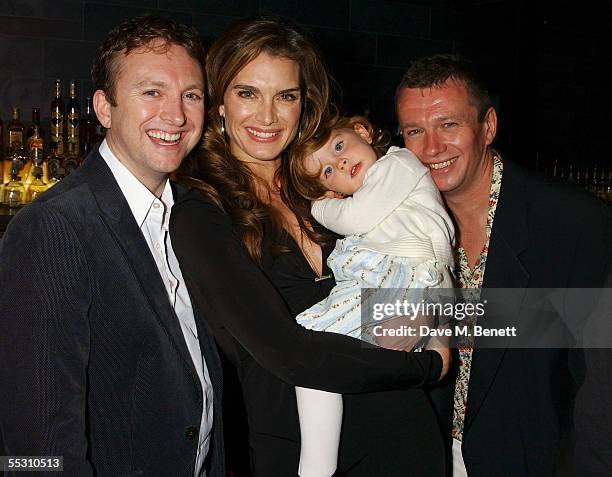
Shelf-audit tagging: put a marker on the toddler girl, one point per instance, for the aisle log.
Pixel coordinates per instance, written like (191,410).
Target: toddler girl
(398,235)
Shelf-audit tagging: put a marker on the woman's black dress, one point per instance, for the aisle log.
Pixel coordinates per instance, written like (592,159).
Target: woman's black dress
(388,429)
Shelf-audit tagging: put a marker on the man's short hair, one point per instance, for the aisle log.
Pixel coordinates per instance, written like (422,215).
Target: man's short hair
(435,70)
(137,33)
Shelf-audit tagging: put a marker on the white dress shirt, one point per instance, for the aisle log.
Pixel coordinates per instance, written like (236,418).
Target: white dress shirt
(152,215)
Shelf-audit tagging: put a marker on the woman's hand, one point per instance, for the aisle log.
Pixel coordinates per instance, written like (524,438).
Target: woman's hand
(445,353)
(440,344)
(399,341)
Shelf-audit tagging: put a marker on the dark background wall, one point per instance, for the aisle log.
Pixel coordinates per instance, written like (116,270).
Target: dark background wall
(543,62)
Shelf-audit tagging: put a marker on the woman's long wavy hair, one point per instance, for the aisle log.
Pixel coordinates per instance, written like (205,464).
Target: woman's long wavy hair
(227,181)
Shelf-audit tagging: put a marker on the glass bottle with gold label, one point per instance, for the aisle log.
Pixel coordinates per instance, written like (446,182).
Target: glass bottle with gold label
(15,130)
(34,146)
(57,120)
(14,190)
(37,186)
(73,120)
(14,135)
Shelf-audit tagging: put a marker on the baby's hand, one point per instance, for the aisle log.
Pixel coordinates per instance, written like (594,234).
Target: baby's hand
(330,194)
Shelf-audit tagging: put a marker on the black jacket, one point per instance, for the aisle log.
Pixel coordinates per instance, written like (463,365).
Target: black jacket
(94,366)
(519,408)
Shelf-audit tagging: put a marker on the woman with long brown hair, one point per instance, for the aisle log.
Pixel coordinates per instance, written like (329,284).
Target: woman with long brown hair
(243,235)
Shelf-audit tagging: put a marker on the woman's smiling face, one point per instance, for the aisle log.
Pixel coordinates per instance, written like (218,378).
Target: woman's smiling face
(262,107)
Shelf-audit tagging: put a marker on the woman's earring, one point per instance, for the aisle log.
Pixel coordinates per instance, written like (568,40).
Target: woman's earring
(222,124)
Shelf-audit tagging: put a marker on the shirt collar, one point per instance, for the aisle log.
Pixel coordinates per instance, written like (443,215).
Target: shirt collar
(466,277)
(139,198)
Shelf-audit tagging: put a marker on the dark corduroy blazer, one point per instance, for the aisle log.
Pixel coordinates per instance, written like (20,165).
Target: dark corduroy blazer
(94,366)
(519,407)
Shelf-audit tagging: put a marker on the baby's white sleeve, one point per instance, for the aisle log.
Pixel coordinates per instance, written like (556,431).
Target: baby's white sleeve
(387,184)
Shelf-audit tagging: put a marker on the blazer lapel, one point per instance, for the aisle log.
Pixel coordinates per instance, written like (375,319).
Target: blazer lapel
(121,224)
(504,269)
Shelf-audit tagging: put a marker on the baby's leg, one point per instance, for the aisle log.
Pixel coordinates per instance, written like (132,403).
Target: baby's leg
(320,414)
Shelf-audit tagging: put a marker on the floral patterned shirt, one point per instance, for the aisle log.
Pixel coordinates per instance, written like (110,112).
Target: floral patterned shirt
(473,278)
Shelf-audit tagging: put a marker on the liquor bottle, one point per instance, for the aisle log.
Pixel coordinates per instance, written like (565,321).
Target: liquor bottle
(35,127)
(37,186)
(1,156)
(593,183)
(579,176)
(71,162)
(1,143)
(35,146)
(15,130)
(57,120)
(14,190)
(585,179)
(570,174)
(55,164)
(89,129)
(73,120)
(602,185)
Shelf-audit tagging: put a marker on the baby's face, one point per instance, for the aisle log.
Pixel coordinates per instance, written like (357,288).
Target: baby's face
(343,161)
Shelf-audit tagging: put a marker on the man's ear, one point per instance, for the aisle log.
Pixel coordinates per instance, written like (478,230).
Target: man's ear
(490,125)
(363,132)
(102,107)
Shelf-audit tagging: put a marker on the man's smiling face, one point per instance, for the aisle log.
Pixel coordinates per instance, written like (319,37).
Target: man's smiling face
(158,114)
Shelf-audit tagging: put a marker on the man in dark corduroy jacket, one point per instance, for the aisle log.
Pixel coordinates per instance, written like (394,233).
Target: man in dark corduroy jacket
(103,360)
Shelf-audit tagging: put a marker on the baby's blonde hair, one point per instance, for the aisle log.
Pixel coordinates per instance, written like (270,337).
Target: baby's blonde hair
(309,185)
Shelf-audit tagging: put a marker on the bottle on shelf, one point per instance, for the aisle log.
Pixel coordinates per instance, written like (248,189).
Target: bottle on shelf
(89,129)
(14,190)
(571,178)
(578,176)
(15,130)
(55,163)
(71,162)
(57,121)
(1,160)
(72,157)
(1,143)
(73,120)
(593,184)
(602,185)
(37,186)
(585,179)
(14,135)
(35,145)
(555,168)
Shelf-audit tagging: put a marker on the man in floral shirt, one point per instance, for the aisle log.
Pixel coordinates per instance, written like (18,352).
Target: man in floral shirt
(508,411)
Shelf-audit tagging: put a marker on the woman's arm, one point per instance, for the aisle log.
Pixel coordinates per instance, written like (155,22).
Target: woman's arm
(235,297)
